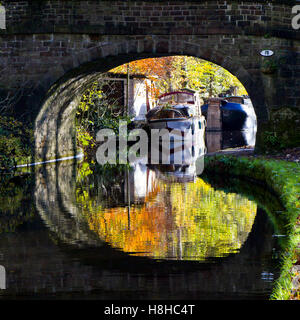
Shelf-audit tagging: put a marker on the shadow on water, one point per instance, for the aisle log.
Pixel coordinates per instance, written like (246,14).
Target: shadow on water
(57,253)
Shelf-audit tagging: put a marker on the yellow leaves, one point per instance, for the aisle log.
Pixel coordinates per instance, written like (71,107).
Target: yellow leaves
(84,138)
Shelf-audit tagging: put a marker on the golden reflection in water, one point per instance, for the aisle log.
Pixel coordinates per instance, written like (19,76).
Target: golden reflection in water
(182,221)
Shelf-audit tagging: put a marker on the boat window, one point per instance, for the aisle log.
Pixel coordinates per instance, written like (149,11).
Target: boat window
(166,113)
(185,112)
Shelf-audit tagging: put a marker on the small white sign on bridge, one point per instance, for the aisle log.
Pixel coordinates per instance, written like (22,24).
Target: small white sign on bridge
(267,53)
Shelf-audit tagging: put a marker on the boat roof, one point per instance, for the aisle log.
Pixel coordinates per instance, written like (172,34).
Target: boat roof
(181,106)
(178,97)
(228,105)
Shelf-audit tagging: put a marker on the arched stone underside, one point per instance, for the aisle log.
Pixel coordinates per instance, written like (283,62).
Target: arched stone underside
(54,126)
(51,50)
(55,201)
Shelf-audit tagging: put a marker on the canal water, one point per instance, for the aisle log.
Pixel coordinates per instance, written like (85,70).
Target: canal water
(78,230)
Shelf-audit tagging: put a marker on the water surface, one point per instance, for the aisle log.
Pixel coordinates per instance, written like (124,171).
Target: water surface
(141,232)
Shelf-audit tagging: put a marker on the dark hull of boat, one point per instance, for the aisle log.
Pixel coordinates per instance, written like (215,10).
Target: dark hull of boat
(233,120)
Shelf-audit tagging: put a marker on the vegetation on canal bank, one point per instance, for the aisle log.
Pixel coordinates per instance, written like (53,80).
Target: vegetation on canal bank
(16,143)
(283,178)
(96,111)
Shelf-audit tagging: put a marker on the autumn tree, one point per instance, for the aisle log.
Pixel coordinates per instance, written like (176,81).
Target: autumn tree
(209,78)
(178,72)
(159,70)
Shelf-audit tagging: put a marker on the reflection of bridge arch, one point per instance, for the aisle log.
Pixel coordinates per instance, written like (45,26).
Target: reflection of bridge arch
(55,202)
(119,272)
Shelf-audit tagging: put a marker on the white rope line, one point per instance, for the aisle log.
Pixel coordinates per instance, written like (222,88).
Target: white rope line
(49,161)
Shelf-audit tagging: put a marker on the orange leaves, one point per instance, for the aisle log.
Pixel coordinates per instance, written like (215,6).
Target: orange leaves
(155,69)
(178,72)
(190,221)
(152,68)
(141,230)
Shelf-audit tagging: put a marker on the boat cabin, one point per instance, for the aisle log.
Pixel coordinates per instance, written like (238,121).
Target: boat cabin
(235,99)
(178,104)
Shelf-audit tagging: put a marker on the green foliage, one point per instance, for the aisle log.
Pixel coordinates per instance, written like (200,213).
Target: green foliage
(283,178)
(96,111)
(105,181)
(269,66)
(272,141)
(209,78)
(203,76)
(16,141)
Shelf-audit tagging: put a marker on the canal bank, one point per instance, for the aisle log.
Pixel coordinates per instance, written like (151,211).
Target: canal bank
(282,178)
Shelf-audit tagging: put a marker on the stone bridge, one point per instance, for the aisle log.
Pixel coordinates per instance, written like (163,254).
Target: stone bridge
(52,50)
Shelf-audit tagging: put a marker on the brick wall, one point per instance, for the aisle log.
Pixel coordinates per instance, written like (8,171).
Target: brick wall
(147,17)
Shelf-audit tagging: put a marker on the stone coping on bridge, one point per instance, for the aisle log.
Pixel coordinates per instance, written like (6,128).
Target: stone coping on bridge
(148,17)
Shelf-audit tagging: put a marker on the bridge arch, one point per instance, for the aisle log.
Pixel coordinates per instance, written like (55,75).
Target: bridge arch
(55,134)
(48,40)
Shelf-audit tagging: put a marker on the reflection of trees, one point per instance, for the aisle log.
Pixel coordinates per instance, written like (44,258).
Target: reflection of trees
(100,183)
(191,221)
(213,223)
(16,205)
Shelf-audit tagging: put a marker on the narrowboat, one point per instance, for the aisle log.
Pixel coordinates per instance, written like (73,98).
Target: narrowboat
(179,110)
(237,113)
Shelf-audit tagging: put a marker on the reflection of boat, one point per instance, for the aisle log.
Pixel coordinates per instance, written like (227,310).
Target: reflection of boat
(144,172)
(220,140)
(191,166)
(237,113)
(179,110)
(175,173)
